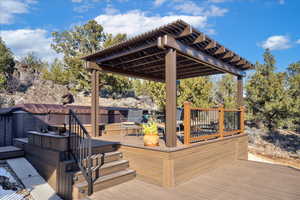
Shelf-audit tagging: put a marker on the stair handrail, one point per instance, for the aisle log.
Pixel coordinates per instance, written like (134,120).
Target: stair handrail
(80,148)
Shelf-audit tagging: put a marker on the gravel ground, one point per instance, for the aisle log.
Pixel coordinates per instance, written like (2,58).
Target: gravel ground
(10,187)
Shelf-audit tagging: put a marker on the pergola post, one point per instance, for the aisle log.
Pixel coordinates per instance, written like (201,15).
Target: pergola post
(170,76)
(240,100)
(95,103)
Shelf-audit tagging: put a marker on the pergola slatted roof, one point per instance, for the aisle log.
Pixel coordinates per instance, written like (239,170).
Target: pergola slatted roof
(143,56)
(171,52)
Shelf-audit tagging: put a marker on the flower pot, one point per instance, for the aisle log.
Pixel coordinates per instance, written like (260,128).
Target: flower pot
(151,140)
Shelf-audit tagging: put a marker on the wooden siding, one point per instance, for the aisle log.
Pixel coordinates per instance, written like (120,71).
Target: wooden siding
(6,133)
(171,168)
(148,164)
(201,159)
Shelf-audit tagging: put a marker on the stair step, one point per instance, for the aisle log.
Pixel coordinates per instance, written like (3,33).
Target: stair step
(20,142)
(80,189)
(97,159)
(10,152)
(105,148)
(100,171)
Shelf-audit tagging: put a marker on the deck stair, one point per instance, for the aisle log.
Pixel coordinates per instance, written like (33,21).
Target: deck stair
(108,169)
(10,152)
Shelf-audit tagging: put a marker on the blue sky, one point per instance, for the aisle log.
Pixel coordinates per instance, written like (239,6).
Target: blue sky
(244,26)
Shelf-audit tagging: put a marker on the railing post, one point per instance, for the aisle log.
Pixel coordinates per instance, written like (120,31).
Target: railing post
(90,181)
(69,138)
(242,119)
(187,122)
(221,121)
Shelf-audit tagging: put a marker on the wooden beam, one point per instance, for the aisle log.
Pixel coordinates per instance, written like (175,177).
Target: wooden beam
(139,58)
(179,66)
(193,75)
(146,63)
(229,54)
(240,99)
(220,50)
(200,57)
(190,70)
(125,53)
(211,45)
(241,62)
(130,73)
(109,69)
(170,76)
(199,39)
(187,31)
(235,59)
(95,103)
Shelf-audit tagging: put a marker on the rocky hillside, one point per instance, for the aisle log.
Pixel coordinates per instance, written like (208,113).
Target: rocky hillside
(42,91)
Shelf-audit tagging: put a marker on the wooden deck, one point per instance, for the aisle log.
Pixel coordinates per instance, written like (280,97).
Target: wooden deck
(240,180)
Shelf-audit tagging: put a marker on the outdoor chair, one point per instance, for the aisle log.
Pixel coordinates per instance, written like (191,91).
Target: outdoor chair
(135,119)
(179,122)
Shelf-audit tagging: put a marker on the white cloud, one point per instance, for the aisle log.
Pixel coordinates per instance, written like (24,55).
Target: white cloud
(110,10)
(135,22)
(216,11)
(76,1)
(281,2)
(189,7)
(24,41)
(276,42)
(83,8)
(298,41)
(9,8)
(159,2)
(217,1)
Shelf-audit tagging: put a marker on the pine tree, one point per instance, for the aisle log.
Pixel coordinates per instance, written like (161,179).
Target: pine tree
(6,64)
(198,91)
(266,94)
(226,91)
(84,40)
(57,73)
(35,64)
(294,92)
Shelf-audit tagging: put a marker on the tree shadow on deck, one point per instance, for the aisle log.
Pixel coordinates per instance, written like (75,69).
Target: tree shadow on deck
(286,141)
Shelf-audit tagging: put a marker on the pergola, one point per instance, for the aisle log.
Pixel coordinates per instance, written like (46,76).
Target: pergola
(166,54)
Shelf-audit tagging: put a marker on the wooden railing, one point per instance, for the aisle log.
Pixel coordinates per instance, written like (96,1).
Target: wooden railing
(80,148)
(207,123)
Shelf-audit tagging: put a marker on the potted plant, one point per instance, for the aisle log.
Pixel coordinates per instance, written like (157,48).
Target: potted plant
(151,137)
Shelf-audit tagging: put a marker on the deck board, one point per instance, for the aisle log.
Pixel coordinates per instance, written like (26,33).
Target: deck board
(241,180)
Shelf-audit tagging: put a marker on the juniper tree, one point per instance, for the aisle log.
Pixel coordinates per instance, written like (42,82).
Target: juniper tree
(267,95)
